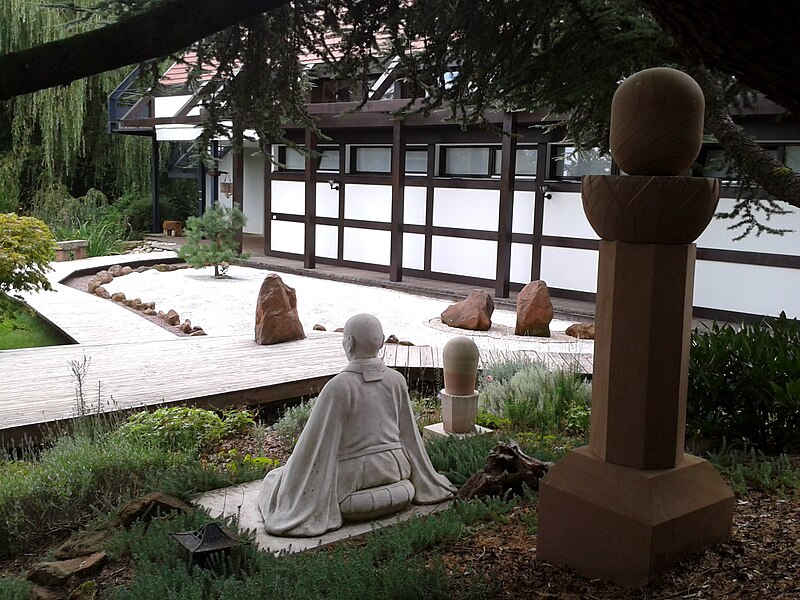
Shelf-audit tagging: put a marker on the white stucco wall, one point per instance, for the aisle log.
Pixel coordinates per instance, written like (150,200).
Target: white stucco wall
(564,217)
(522,216)
(368,202)
(466,209)
(288,197)
(367,245)
(414,201)
(253,196)
(327,241)
(747,288)
(327,201)
(413,251)
(521,258)
(287,236)
(462,256)
(570,269)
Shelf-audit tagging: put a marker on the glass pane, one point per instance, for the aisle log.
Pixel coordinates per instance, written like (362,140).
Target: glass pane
(498,161)
(294,160)
(466,161)
(792,158)
(716,165)
(526,161)
(373,160)
(589,162)
(330,160)
(416,161)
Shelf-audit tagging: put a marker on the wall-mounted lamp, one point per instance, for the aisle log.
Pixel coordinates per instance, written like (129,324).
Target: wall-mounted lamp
(226,187)
(334,184)
(544,188)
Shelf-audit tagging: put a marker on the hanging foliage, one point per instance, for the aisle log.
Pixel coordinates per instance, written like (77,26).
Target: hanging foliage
(67,124)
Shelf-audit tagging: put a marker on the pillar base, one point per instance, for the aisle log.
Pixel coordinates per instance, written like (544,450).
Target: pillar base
(627,525)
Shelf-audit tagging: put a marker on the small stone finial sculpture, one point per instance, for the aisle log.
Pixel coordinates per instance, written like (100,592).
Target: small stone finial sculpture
(632,502)
(459,399)
(360,456)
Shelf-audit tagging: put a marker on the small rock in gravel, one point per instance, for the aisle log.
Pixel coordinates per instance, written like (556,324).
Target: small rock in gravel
(104,277)
(118,297)
(136,304)
(115,270)
(150,305)
(392,339)
(126,270)
(319,327)
(93,284)
(172,317)
(186,326)
(339,330)
(142,269)
(149,312)
(102,293)
(404,343)
(197,331)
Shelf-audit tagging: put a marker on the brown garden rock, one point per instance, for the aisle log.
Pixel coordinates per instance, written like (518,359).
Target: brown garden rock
(186,326)
(142,269)
(118,297)
(392,339)
(276,313)
(474,312)
(319,327)
(149,312)
(58,572)
(163,268)
(102,292)
(534,310)
(104,277)
(339,330)
(404,343)
(115,270)
(197,331)
(150,305)
(172,317)
(136,304)
(83,544)
(150,506)
(582,331)
(93,284)
(126,270)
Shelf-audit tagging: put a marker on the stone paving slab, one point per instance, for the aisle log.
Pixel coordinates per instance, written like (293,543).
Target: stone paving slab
(240,501)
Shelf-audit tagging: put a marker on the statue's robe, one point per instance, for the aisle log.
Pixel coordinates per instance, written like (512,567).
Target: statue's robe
(361,434)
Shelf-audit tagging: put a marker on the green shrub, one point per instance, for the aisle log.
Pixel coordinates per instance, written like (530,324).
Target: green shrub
(26,249)
(293,421)
(10,184)
(14,588)
(458,459)
(538,399)
(218,226)
(183,427)
(754,470)
(744,385)
(137,210)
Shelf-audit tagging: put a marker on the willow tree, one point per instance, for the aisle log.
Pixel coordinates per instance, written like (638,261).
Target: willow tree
(59,134)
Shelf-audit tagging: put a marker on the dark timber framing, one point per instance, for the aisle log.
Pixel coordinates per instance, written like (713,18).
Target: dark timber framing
(506,210)
(398,197)
(238,177)
(310,217)
(155,189)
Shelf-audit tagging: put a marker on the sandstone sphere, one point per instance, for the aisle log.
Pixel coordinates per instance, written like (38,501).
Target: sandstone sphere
(657,122)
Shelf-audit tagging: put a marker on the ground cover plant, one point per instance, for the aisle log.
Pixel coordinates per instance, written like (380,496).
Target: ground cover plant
(26,330)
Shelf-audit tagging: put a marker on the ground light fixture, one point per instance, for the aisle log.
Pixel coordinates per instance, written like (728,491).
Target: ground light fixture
(206,544)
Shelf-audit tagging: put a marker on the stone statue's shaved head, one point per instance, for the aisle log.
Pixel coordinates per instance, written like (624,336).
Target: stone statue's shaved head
(362,337)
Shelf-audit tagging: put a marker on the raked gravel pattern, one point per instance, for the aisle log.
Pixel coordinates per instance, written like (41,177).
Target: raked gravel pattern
(227,307)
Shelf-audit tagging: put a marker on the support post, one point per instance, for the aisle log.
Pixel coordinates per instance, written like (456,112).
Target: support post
(542,168)
(506,208)
(155,191)
(238,177)
(267,217)
(310,218)
(398,200)
(215,186)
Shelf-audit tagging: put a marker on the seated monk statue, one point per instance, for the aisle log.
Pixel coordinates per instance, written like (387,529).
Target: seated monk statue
(360,457)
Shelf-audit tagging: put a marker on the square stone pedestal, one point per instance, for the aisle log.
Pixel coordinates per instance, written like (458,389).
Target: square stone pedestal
(627,525)
(430,432)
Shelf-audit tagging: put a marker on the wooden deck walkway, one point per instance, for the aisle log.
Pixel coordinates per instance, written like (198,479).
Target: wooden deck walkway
(133,363)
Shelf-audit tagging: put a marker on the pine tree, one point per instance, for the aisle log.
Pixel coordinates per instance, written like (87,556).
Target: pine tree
(210,239)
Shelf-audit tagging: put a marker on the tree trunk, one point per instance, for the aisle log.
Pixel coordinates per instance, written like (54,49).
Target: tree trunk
(165,29)
(507,468)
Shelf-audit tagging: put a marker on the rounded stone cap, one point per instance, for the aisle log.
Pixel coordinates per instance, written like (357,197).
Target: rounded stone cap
(657,122)
(649,210)
(460,356)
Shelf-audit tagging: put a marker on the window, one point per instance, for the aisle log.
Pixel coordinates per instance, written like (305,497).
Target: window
(568,163)
(293,160)
(470,161)
(714,163)
(525,164)
(791,157)
(378,159)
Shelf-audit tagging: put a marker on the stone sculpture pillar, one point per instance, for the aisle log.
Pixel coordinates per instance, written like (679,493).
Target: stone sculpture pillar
(632,503)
